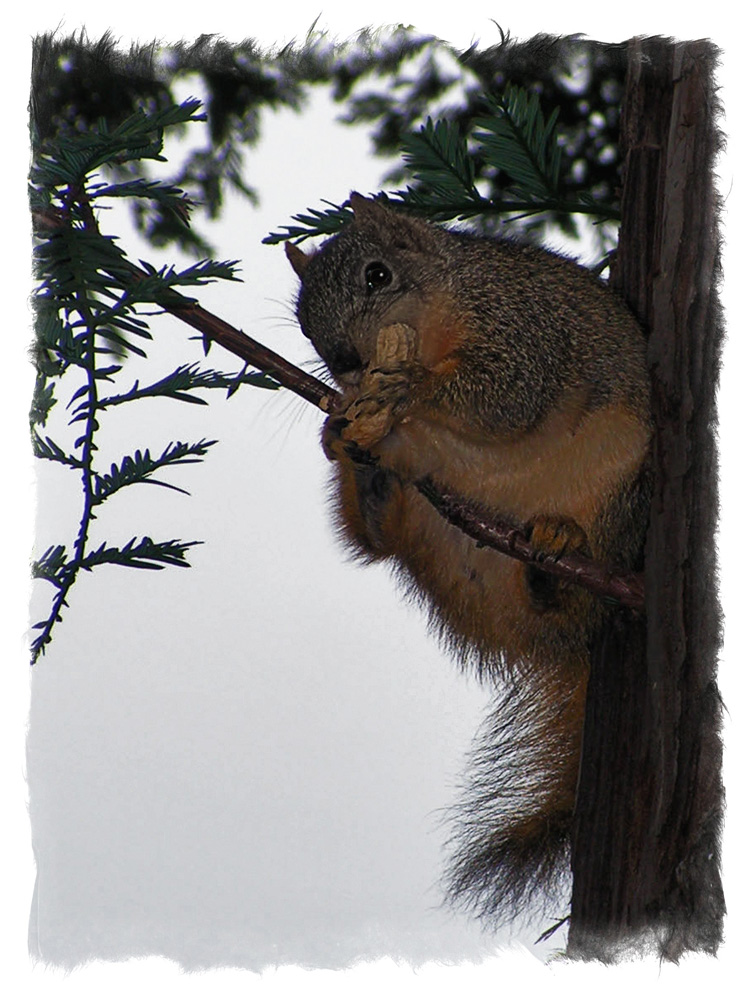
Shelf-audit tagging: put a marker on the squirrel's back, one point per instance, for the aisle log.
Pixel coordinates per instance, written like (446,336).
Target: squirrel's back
(514,378)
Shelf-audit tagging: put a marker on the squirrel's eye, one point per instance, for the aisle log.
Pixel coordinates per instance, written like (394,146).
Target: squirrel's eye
(377,275)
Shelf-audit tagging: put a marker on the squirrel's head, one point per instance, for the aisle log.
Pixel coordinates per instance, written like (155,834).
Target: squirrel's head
(374,273)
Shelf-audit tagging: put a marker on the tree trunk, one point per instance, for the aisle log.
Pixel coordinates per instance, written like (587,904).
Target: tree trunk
(645,853)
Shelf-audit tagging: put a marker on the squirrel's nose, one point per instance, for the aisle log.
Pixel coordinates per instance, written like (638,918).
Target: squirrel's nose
(342,360)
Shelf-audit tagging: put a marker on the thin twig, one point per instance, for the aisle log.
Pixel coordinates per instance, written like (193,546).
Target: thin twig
(255,353)
(623,586)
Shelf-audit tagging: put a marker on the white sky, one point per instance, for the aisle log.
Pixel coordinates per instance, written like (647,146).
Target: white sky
(243,577)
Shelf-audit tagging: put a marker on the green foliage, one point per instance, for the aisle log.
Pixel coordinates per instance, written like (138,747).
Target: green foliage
(88,321)
(515,142)
(437,157)
(314,222)
(389,80)
(138,468)
(181,383)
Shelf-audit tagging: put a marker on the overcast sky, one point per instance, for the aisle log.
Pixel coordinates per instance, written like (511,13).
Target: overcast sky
(263,743)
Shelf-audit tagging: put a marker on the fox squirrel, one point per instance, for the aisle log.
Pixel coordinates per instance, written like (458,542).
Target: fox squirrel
(514,378)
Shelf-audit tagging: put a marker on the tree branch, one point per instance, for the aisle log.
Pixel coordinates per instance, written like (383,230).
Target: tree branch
(255,353)
(622,586)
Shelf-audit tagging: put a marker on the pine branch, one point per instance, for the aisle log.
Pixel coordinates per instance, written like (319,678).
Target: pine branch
(51,566)
(46,448)
(516,140)
(197,274)
(42,400)
(180,384)
(86,303)
(139,468)
(143,554)
(314,223)
(169,196)
(438,158)
(441,208)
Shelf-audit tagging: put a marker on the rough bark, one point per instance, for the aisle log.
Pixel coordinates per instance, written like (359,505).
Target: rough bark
(645,852)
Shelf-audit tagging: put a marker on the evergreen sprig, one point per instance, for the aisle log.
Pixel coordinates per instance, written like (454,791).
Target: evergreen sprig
(88,322)
(143,554)
(314,222)
(139,137)
(438,159)
(514,142)
(183,381)
(138,468)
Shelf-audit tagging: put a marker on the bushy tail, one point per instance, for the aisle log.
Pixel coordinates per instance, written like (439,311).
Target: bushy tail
(512,825)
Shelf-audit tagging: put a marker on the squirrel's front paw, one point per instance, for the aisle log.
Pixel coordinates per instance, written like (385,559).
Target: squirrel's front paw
(384,396)
(386,389)
(333,446)
(552,535)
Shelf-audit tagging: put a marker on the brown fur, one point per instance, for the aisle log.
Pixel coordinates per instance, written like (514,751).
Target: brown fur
(513,378)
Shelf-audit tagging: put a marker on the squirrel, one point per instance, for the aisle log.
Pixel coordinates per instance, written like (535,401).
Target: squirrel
(515,378)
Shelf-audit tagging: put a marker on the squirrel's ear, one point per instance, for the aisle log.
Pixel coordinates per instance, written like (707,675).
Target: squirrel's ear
(297,258)
(397,228)
(366,209)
